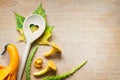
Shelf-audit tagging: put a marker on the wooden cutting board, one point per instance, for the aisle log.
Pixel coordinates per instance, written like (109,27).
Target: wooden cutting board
(84,29)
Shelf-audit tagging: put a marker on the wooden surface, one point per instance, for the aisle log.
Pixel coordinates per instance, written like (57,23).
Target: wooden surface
(84,29)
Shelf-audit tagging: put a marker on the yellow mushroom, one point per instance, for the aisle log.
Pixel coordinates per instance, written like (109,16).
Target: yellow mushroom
(55,49)
(38,62)
(50,66)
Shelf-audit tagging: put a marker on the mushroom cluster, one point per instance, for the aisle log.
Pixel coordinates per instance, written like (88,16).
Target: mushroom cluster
(50,64)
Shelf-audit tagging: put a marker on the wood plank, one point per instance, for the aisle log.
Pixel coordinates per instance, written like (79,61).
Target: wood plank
(84,29)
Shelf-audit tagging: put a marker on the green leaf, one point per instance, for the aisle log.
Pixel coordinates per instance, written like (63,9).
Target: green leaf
(40,11)
(65,75)
(47,33)
(33,27)
(29,61)
(19,20)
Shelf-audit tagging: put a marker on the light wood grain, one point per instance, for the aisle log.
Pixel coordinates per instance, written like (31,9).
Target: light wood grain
(84,29)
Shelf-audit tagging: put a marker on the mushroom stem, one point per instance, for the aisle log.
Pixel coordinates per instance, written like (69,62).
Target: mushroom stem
(42,72)
(51,52)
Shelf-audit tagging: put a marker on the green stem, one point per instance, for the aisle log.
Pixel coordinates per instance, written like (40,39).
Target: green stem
(29,61)
(67,74)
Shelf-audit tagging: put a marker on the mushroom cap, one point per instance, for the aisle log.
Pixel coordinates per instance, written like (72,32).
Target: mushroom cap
(52,65)
(38,62)
(56,47)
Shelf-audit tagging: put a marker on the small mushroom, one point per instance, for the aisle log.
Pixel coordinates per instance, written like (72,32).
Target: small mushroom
(50,66)
(55,49)
(38,62)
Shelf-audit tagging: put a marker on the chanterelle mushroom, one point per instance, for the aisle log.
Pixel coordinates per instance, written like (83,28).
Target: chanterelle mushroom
(50,66)
(55,49)
(38,62)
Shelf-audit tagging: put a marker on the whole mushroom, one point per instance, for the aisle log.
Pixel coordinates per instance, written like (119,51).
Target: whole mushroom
(55,49)
(50,66)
